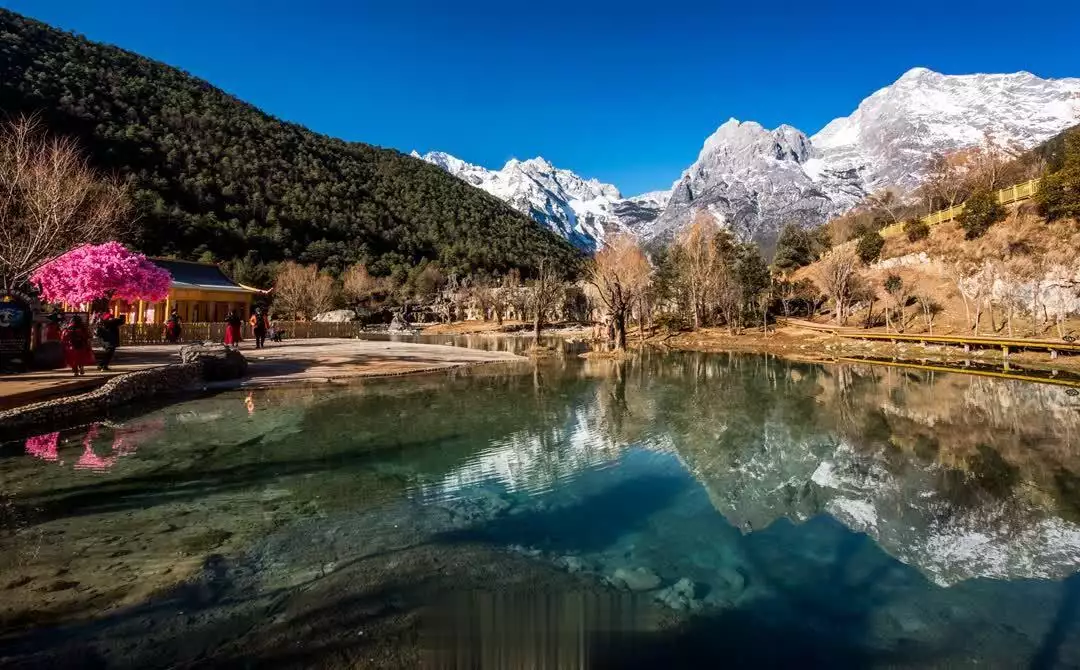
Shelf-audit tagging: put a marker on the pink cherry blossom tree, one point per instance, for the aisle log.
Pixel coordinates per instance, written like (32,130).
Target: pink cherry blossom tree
(101,271)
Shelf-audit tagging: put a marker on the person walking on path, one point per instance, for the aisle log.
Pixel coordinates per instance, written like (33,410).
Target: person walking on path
(75,339)
(108,330)
(259,326)
(172,328)
(232,330)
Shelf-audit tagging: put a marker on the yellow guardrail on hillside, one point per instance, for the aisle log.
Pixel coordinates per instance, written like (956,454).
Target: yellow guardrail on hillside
(1005,196)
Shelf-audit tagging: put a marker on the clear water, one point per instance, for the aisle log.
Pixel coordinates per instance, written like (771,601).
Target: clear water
(671,509)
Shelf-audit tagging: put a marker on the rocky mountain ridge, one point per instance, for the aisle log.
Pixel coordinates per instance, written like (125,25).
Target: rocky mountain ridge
(755,180)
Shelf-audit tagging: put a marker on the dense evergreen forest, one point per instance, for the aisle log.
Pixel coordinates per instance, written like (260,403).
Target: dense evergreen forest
(214,178)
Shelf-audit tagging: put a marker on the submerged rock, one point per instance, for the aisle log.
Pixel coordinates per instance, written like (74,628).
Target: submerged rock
(733,579)
(637,579)
(679,596)
(571,564)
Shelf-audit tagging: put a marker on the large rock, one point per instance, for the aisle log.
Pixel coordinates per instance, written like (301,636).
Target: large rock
(218,362)
(336,316)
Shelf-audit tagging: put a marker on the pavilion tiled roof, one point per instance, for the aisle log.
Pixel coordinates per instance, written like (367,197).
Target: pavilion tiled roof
(205,276)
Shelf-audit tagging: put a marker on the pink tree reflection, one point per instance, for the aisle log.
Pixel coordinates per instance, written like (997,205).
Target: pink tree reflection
(126,439)
(89,460)
(44,446)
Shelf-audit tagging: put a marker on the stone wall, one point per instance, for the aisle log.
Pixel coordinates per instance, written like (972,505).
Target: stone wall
(119,390)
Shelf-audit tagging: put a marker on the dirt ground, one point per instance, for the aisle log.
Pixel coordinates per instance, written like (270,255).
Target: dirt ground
(335,359)
(313,360)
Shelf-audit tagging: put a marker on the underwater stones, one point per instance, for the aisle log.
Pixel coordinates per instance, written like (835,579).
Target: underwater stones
(679,596)
(525,551)
(636,579)
(479,506)
(733,579)
(571,564)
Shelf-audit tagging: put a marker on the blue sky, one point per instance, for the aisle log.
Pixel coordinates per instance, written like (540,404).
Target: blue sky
(622,91)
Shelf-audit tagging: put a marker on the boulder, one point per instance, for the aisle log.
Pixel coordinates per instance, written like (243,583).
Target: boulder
(218,362)
(637,579)
(336,316)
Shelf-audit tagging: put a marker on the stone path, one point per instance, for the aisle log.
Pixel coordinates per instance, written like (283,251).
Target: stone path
(284,362)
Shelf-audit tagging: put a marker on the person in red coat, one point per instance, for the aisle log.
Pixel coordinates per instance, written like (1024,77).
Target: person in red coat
(232,330)
(78,351)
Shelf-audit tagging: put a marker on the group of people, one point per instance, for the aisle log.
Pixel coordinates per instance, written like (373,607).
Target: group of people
(76,341)
(76,336)
(260,327)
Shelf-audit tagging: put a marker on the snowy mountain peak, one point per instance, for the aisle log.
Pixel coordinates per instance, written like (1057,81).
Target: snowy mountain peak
(755,180)
(581,210)
(894,132)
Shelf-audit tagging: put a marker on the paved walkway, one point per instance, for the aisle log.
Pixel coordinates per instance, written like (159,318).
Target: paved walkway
(21,389)
(278,363)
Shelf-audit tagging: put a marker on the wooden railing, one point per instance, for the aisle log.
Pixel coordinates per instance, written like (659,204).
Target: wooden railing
(1005,196)
(154,333)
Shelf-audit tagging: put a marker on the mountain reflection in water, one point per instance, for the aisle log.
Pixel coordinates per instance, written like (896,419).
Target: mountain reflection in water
(837,498)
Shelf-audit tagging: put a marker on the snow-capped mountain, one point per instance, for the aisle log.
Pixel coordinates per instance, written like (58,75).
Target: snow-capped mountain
(581,210)
(755,180)
(894,132)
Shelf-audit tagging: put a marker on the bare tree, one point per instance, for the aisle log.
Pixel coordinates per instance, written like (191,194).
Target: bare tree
(301,292)
(699,262)
(359,286)
(897,291)
(889,201)
(836,276)
(51,200)
(545,293)
(990,164)
(498,301)
(620,273)
(930,309)
(481,294)
(945,183)
(320,294)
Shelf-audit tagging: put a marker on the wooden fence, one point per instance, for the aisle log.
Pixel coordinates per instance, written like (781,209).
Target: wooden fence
(151,333)
(1005,196)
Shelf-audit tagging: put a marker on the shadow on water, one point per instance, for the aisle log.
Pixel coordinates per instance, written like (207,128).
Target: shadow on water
(177,485)
(591,525)
(1064,620)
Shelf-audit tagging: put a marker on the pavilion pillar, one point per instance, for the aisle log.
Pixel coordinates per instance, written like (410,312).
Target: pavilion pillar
(140,316)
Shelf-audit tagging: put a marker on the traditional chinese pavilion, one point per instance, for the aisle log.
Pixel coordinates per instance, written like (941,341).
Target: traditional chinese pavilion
(200,292)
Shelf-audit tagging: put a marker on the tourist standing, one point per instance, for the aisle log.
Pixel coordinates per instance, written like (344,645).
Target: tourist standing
(78,352)
(258,327)
(108,330)
(232,330)
(172,328)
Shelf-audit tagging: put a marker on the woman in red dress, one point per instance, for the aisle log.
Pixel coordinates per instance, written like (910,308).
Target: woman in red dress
(232,330)
(78,351)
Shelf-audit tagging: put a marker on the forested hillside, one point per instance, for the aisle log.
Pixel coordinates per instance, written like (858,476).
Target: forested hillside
(214,177)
